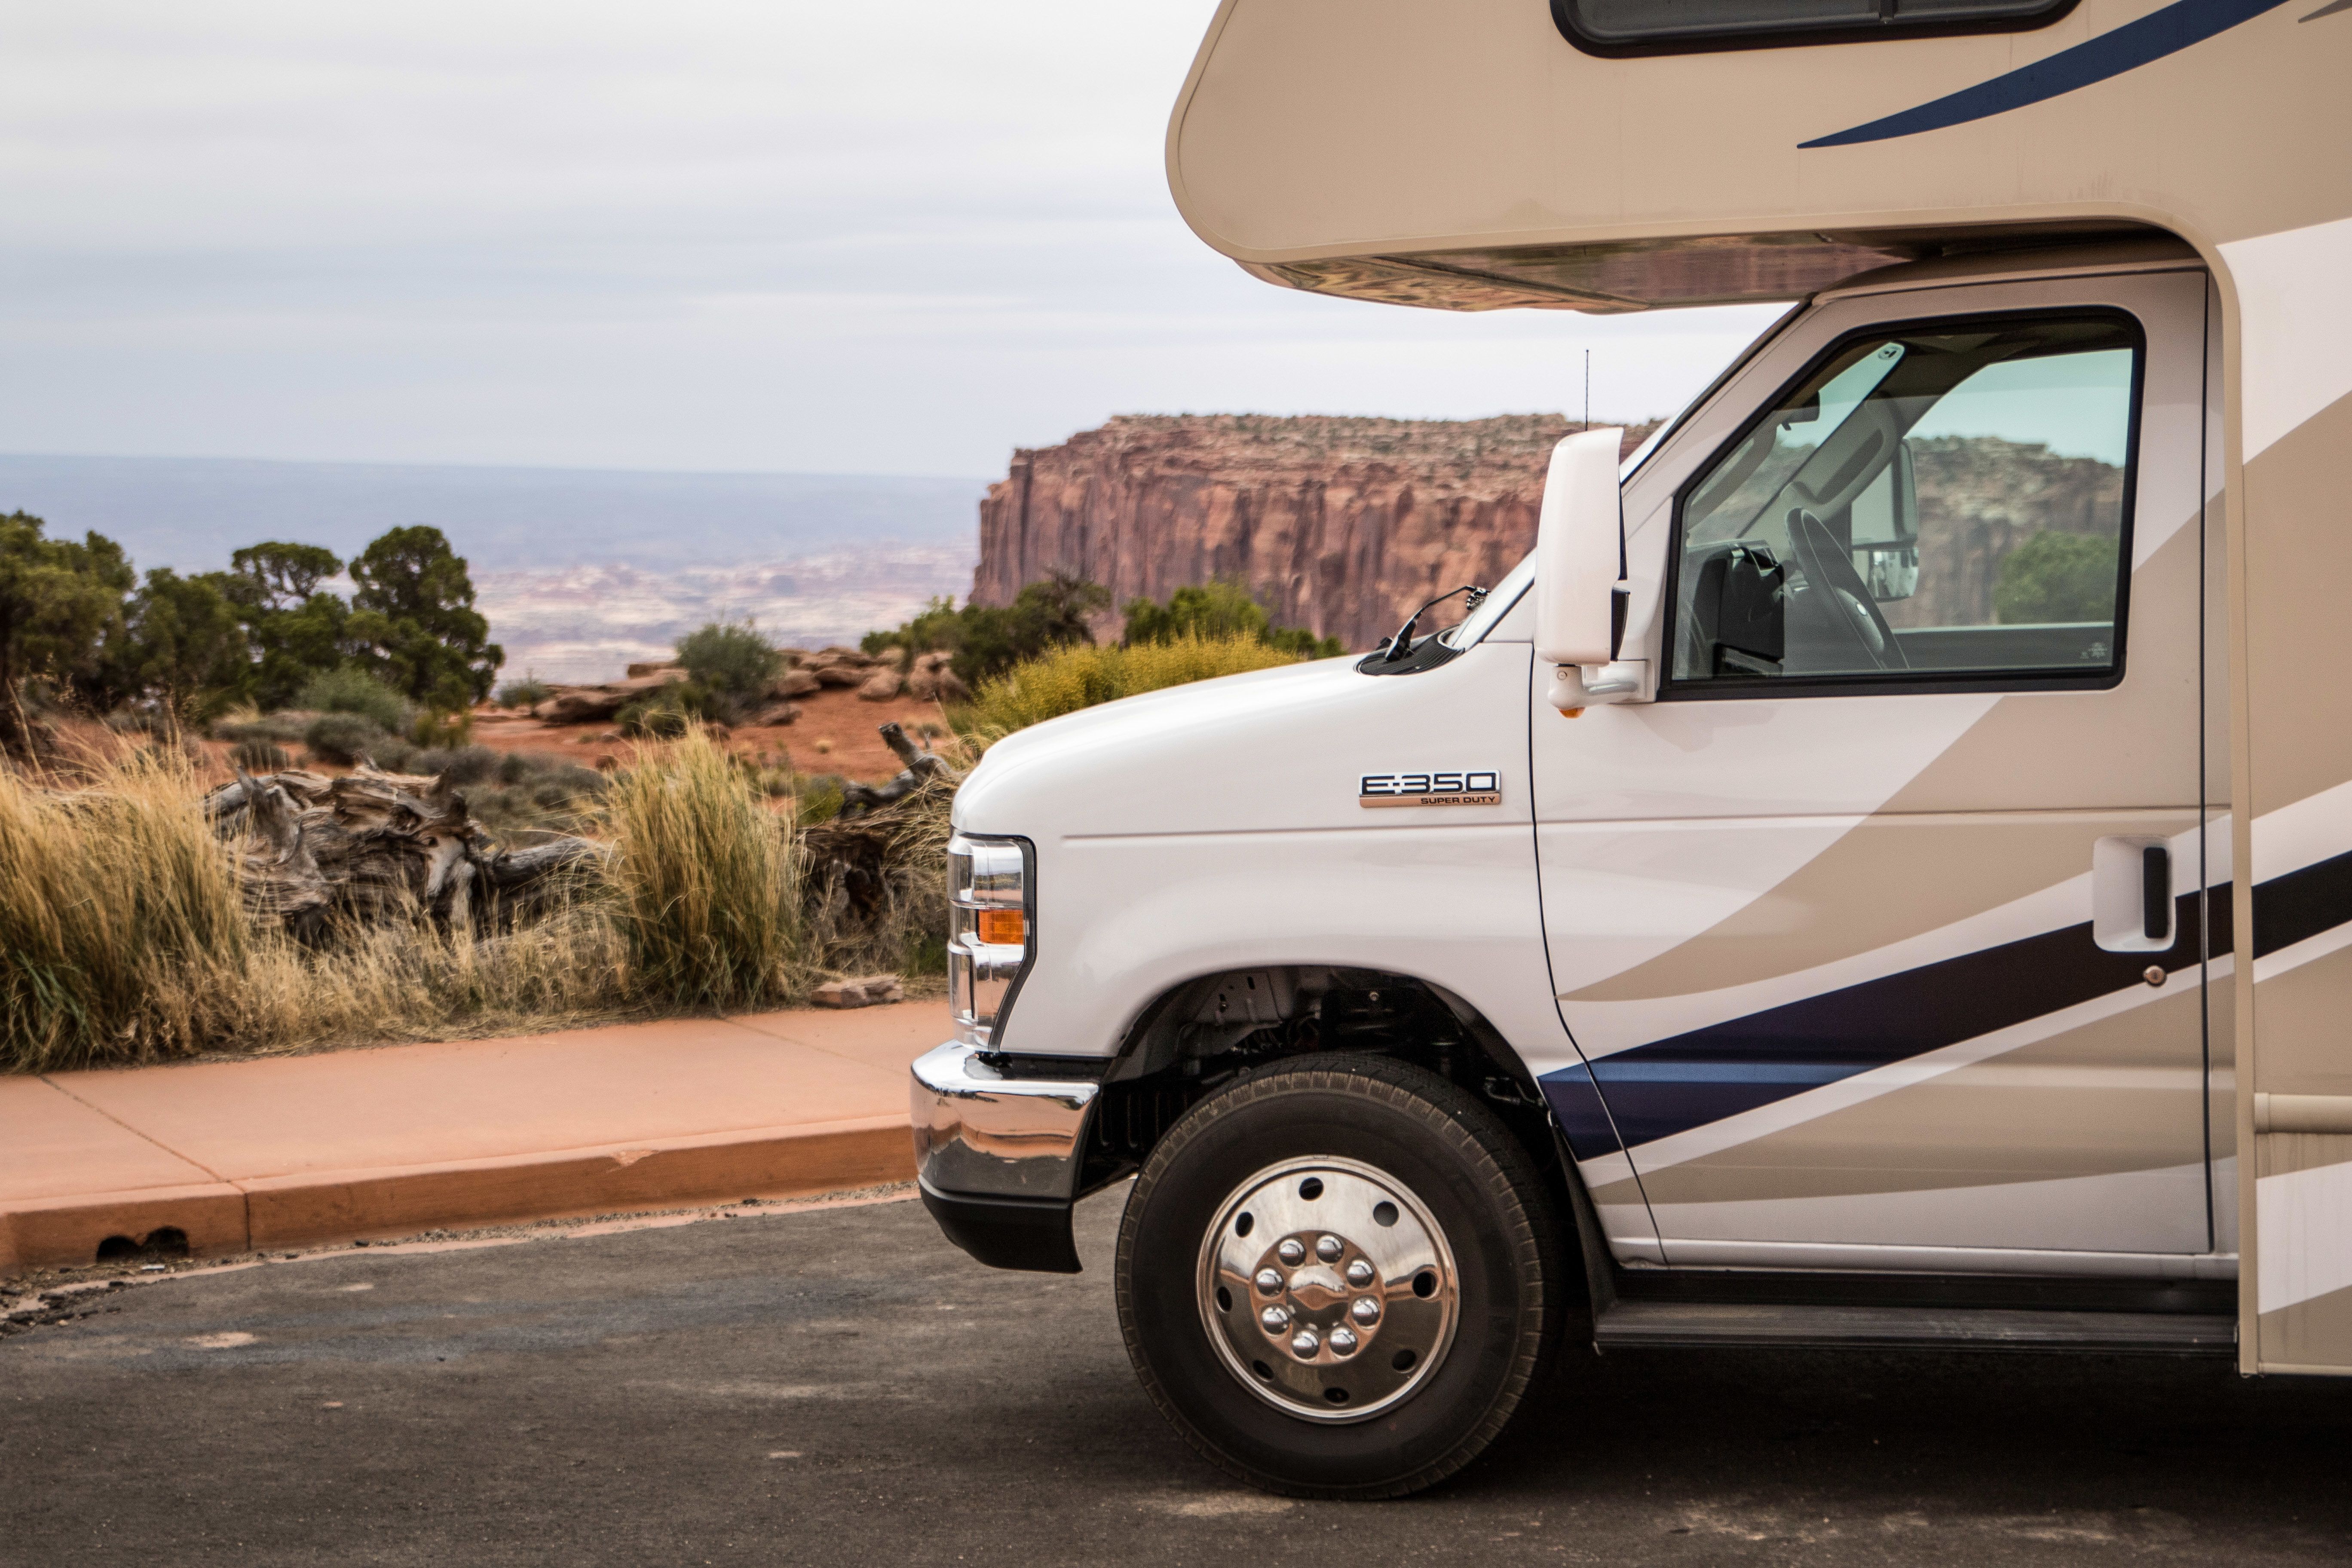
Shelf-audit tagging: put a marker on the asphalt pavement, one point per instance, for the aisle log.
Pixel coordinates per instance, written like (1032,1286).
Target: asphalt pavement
(841,1387)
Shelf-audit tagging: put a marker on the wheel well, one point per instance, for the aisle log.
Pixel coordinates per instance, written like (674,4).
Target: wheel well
(1199,1035)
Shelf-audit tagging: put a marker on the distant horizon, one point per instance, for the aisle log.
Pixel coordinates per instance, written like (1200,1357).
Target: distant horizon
(6,457)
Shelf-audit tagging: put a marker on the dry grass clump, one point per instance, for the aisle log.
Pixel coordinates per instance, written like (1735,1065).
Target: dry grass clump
(123,938)
(1081,676)
(704,875)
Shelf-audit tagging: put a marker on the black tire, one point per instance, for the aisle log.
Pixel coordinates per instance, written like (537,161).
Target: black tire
(1462,1165)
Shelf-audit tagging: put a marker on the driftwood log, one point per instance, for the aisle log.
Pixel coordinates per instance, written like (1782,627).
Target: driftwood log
(922,767)
(870,864)
(374,847)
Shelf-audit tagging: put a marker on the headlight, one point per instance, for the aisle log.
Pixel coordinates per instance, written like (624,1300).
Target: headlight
(990,931)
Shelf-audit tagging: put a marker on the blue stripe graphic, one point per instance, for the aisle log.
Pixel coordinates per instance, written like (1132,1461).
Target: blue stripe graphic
(1704,1075)
(2127,47)
(1583,1119)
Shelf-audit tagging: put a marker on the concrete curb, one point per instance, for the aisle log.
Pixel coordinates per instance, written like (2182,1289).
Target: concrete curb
(347,1205)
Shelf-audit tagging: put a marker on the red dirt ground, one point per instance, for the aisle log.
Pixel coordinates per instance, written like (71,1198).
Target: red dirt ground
(835,734)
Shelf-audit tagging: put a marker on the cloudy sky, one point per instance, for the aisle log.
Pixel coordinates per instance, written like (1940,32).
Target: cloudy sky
(899,237)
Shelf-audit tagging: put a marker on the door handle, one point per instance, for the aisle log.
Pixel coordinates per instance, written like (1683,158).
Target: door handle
(2131,894)
(2156,892)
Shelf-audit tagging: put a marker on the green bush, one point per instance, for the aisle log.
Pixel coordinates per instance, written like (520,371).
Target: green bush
(1212,611)
(347,739)
(351,689)
(667,712)
(442,728)
(284,728)
(2056,577)
(940,626)
(987,641)
(464,765)
(1075,678)
(730,658)
(528,693)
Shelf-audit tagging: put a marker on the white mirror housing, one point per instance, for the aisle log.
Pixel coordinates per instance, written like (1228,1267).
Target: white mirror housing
(1579,546)
(1579,554)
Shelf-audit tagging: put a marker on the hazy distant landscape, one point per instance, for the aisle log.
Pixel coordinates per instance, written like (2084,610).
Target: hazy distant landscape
(578,570)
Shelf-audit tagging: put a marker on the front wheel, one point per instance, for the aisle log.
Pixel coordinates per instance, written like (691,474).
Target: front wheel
(1339,1279)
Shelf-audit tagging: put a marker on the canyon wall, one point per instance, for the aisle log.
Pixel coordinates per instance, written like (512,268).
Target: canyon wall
(1340,525)
(1344,525)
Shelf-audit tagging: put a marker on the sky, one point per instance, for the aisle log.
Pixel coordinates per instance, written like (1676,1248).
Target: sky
(897,238)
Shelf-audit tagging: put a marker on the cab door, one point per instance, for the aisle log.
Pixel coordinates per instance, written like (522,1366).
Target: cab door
(1882,928)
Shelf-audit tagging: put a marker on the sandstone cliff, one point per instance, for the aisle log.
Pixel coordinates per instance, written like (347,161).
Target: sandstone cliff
(1340,525)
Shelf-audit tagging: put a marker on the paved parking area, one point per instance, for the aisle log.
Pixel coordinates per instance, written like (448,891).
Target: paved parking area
(841,1387)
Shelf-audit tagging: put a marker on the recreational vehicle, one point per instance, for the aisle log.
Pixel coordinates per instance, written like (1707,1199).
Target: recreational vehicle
(1803,902)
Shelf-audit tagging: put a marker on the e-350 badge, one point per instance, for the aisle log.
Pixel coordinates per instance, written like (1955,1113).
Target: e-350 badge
(1431,789)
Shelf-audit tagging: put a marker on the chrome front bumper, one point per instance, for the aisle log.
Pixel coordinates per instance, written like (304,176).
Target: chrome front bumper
(997,1157)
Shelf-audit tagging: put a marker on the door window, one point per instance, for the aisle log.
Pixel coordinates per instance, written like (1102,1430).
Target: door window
(1935,504)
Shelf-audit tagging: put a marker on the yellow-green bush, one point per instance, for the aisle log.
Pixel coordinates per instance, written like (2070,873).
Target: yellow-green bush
(1080,677)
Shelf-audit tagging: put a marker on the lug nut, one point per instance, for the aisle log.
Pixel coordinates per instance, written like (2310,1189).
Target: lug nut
(1304,1344)
(1329,1248)
(1292,1251)
(1359,1273)
(1366,1310)
(1273,1319)
(1269,1280)
(1343,1341)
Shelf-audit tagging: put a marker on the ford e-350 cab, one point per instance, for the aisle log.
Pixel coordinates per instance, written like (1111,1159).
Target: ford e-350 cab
(1879,872)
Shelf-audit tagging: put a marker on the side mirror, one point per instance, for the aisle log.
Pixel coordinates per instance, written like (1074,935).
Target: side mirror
(1886,531)
(1579,559)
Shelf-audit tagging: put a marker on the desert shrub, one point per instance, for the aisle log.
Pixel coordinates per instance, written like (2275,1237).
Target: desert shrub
(667,712)
(394,755)
(527,692)
(703,877)
(347,738)
(461,766)
(2061,577)
(940,626)
(818,798)
(284,727)
(351,689)
(568,785)
(258,756)
(987,641)
(442,728)
(729,658)
(1212,611)
(1075,678)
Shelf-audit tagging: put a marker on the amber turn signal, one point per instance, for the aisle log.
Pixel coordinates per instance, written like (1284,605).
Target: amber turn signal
(1003,928)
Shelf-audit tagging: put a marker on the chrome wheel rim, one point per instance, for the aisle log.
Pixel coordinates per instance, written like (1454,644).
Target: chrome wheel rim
(1327,1288)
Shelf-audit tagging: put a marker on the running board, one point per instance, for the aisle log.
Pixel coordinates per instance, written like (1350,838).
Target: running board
(1801,1327)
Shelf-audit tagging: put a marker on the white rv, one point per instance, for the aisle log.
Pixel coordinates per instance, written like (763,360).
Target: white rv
(1802,904)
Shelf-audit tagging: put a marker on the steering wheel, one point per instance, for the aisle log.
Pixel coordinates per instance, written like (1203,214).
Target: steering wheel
(1828,567)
